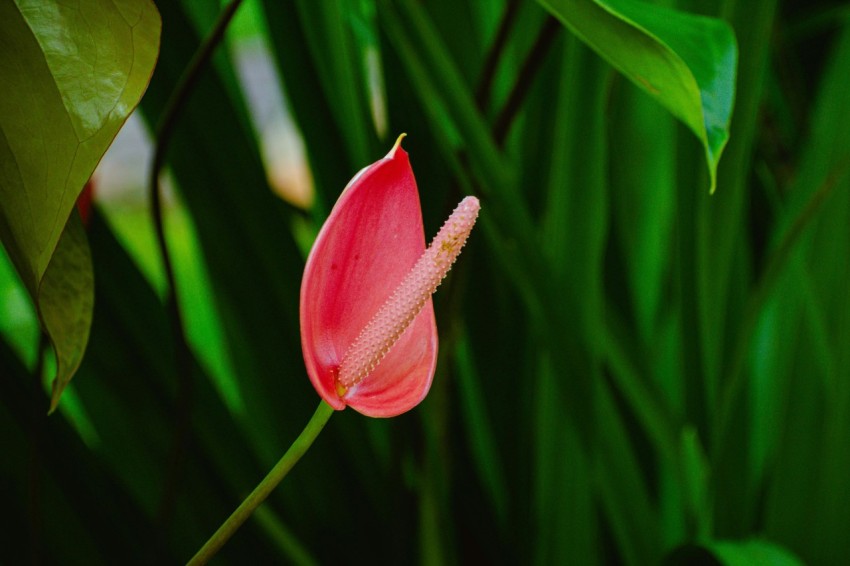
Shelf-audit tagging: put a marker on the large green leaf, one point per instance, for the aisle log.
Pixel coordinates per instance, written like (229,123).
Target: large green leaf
(71,75)
(686,62)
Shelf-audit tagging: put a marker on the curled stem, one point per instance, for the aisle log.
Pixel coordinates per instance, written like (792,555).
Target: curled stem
(183,360)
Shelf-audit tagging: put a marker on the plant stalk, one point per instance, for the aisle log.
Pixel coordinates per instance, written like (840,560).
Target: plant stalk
(265,487)
(183,359)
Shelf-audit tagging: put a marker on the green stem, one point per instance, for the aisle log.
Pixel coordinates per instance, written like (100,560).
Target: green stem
(165,129)
(265,487)
(533,62)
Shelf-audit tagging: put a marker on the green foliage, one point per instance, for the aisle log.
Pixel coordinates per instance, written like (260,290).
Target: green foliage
(71,75)
(632,370)
(686,62)
(737,553)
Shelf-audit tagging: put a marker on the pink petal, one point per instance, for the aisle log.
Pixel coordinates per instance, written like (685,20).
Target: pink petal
(372,238)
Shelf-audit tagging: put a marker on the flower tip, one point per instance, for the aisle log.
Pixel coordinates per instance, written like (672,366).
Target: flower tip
(470,204)
(397,145)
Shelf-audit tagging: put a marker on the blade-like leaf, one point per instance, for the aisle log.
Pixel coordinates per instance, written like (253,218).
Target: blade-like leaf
(733,553)
(755,551)
(684,61)
(71,74)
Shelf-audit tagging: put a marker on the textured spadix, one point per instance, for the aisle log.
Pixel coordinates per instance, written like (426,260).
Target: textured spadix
(369,244)
(393,318)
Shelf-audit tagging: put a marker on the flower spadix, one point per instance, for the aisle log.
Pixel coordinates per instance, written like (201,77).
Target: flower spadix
(368,331)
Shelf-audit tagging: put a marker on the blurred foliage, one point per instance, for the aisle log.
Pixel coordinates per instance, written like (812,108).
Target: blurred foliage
(632,370)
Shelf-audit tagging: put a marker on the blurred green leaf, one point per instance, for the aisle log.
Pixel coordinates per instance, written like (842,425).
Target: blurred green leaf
(686,62)
(415,36)
(135,343)
(643,179)
(733,553)
(71,75)
(339,60)
(482,440)
(313,108)
(621,485)
(755,551)
(18,319)
(695,479)
(724,250)
(566,518)
(812,448)
(63,477)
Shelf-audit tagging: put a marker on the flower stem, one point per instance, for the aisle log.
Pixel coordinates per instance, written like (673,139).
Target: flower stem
(265,487)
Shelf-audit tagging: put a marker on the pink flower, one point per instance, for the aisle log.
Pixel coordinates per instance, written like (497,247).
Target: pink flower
(368,332)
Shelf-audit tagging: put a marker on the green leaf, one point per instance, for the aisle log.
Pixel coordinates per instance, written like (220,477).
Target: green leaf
(686,62)
(71,76)
(483,443)
(733,553)
(695,479)
(339,60)
(66,302)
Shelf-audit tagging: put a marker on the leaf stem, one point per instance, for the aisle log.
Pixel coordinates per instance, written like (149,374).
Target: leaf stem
(265,487)
(183,361)
(523,83)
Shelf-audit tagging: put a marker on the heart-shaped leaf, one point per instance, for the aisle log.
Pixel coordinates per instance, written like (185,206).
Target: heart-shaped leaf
(71,75)
(685,61)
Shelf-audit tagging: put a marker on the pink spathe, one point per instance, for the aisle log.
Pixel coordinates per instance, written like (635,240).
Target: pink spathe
(368,331)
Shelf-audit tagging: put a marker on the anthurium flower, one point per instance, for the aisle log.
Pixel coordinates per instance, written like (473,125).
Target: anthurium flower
(368,331)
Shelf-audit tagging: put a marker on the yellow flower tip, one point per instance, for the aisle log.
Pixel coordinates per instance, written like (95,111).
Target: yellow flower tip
(396,145)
